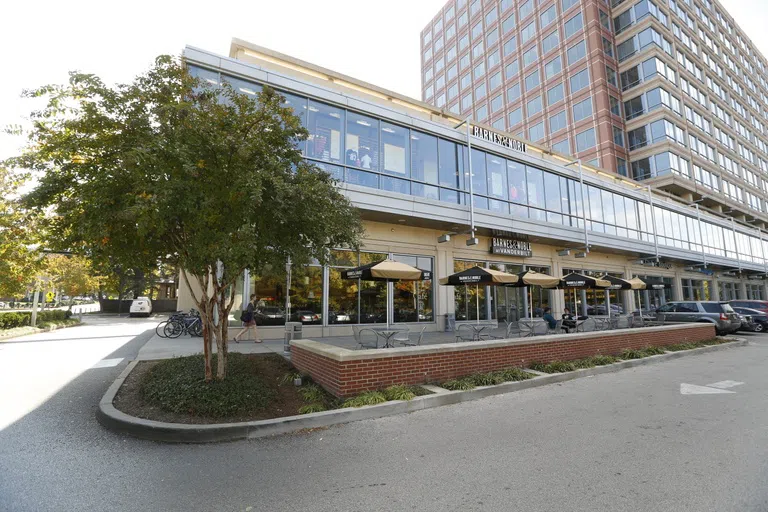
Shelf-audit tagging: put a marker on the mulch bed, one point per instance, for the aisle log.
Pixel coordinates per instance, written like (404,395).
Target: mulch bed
(271,368)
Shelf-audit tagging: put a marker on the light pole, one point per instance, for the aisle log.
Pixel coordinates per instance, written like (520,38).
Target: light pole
(472,240)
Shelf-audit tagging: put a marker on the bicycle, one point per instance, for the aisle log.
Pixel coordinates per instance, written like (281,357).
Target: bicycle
(187,324)
(161,326)
(180,323)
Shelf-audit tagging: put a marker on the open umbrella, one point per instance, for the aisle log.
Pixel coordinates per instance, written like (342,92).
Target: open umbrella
(532,278)
(386,270)
(617,283)
(649,284)
(575,280)
(479,276)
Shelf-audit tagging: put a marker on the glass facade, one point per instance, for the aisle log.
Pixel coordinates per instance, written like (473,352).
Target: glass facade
(360,149)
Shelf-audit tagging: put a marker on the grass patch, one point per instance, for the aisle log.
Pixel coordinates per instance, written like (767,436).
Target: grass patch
(570,366)
(399,392)
(177,385)
(363,399)
(310,408)
(312,393)
(486,379)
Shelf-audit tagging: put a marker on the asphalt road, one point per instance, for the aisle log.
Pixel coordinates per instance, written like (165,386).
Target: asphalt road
(627,441)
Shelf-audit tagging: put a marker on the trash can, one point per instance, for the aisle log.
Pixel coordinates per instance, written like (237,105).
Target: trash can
(450,322)
(293,331)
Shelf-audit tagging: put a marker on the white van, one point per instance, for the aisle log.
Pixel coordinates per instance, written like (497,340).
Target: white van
(141,307)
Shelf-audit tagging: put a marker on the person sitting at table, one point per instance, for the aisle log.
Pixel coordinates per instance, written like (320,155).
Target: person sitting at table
(549,318)
(568,320)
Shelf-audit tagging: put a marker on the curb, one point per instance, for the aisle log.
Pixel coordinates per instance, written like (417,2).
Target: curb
(113,419)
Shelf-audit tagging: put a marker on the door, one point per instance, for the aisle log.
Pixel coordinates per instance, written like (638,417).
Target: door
(686,312)
(666,312)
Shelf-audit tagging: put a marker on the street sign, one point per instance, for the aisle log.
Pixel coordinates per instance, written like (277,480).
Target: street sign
(49,297)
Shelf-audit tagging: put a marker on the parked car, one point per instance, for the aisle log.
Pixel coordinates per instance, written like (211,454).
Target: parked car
(338,318)
(759,318)
(746,322)
(305,317)
(760,305)
(269,316)
(721,314)
(140,306)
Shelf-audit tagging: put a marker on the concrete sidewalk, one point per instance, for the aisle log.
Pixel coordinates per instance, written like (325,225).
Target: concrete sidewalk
(165,348)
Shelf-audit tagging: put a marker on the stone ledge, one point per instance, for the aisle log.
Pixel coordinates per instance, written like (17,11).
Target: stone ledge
(115,420)
(340,354)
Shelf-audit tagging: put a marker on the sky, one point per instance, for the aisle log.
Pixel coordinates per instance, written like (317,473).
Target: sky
(376,41)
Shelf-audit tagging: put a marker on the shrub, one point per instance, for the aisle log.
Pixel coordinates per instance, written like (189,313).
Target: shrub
(486,379)
(539,367)
(367,398)
(653,351)
(177,385)
(312,393)
(310,408)
(399,392)
(515,374)
(11,320)
(603,360)
(463,384)
(289,377)
(632,354)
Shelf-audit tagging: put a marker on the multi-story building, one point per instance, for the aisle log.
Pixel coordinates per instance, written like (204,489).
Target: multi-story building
(443,198)
(671,92)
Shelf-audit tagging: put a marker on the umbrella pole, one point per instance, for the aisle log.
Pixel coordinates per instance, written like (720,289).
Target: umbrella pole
(477,302)
(608,302)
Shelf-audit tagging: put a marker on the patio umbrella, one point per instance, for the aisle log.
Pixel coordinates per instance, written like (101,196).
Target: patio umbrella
(638,284)
(386,270)
(532,278)
(650,284)
(575,280)
(617,283)
(478,276)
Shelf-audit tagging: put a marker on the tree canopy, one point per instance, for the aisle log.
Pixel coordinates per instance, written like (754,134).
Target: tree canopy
(168,169)
(18,238)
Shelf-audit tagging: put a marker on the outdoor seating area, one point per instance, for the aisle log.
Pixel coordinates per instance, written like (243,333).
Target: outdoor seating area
(372,337)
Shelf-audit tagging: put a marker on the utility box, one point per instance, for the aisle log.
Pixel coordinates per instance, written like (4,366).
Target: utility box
(293,331)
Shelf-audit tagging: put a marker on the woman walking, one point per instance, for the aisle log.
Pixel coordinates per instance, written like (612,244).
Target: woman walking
(249,321)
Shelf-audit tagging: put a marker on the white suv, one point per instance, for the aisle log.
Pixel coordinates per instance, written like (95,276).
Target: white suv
(141,307)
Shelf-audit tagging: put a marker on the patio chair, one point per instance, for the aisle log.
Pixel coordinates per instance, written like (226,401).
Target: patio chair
(557,329)
(365,337)
(465,333)
(624,322)
(404,337)
(525,327)
(512,327)
(588,325)
(540,327)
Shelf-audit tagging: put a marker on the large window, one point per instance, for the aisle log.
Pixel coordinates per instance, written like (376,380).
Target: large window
(362,141)
(424,157)
(325,124)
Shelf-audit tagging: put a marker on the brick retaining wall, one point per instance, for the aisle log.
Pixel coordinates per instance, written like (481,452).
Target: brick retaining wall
(346,372)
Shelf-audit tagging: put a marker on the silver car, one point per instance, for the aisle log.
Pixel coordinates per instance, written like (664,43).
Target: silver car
(721,314)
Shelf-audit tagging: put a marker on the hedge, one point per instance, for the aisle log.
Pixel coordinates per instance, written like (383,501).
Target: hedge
(11,320)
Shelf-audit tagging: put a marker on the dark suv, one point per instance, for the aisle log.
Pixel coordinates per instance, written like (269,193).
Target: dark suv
(721,314)
(760,305)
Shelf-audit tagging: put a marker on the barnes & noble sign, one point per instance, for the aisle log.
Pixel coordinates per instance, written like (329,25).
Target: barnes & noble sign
(497,138)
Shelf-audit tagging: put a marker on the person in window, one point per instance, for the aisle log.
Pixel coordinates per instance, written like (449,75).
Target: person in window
(549,318)
(352,157)
(365,160)
(249,321)
(568,320)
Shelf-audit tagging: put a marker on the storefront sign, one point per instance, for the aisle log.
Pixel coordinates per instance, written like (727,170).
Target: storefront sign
(497,138)
(470,279)
(511,247)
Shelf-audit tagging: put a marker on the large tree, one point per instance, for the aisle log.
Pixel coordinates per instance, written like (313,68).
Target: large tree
(71,274)
(167,168)
(19,258)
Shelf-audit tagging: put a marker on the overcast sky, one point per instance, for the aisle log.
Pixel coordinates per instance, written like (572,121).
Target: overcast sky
(374,40)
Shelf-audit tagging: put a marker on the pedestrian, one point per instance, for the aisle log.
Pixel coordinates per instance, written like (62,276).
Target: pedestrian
(249,321)
(551,322)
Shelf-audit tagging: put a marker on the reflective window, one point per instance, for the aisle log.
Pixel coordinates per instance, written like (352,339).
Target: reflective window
(508,23)
(530,56)
(550,42)
(513,93)
(564,146)
(555,94)
(535,179)
(585,140)
(532,81)
(510,46)
(577,52)
(536,132)
(325,125)
(395,185)
(448,171)
(515,117)
(495,81)
(512,69)
(573,25)
(552,67)
(479,182)
(548,16)
(423,157)
(582,110)
(557,122)
(516,177)
(526,8)
(497,176)
(528,32)
(533,106)
(580,80)
(362,141)
(497,103)
(394,149)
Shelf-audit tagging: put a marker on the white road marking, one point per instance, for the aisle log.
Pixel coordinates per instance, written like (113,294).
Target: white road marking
(725,384)
(693,389)
(107,363)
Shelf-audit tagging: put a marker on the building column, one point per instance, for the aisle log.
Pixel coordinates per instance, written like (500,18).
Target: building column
(677,287)
(742,290)
(444,297)
(715,291)
(557,297)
